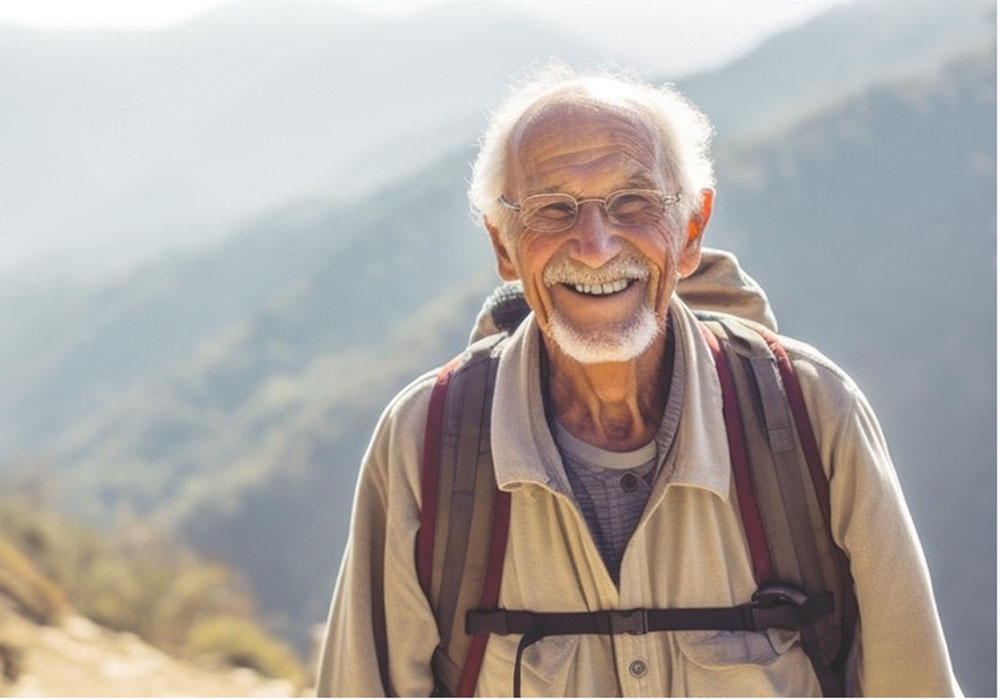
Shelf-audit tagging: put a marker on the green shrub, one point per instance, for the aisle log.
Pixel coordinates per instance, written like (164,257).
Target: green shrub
(240,642)
(33,591)
(135,579)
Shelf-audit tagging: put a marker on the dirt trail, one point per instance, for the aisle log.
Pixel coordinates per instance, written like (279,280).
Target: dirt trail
(80,658)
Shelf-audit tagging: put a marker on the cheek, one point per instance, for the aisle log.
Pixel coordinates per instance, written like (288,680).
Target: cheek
(661,246)
(534,252)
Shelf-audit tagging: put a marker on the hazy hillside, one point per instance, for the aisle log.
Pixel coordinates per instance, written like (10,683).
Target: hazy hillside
(90,115)
(393,260)
(873,229)
(118,146)
(238,443)
(833,56)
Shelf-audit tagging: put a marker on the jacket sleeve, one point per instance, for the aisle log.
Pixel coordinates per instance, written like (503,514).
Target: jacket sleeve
(381,633)
(901,649)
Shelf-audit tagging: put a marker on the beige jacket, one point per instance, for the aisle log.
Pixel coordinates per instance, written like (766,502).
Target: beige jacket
(687,551)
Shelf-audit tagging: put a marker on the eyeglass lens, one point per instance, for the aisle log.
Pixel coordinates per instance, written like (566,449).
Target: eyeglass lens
(558,211)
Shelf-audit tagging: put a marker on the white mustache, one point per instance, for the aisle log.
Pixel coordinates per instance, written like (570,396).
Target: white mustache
(566,271)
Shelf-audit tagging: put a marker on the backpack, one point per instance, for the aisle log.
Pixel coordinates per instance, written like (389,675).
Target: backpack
(804,581)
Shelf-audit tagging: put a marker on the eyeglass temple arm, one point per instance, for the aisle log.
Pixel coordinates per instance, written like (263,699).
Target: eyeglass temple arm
(509,204)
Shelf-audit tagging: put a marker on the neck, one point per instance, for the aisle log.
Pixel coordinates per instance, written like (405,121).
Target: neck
(615,405)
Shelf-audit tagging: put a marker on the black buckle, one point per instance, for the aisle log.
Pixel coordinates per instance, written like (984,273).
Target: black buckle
(776,594)
(630,621)
(776,605)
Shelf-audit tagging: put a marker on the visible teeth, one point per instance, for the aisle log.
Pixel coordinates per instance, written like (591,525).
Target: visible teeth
(601,289)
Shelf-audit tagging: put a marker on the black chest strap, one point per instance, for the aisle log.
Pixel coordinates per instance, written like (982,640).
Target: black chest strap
(780,607)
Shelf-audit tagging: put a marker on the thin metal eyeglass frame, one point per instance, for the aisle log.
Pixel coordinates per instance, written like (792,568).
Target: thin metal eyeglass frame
(665,198)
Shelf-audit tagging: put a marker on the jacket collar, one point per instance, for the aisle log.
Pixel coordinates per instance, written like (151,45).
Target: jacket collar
(523,448)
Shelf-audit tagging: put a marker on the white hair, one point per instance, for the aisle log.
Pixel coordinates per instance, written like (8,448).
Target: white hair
(682,130)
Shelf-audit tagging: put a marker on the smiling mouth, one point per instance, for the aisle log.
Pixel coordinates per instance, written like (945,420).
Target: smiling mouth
(601,290)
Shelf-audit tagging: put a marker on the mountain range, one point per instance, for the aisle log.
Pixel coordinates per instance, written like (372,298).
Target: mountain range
(229,394)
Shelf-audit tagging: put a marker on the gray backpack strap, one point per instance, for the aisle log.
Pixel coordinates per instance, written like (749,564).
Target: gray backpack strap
(464,520)
(802,551)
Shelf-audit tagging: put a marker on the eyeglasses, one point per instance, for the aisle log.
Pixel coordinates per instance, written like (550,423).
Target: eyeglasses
(551,213)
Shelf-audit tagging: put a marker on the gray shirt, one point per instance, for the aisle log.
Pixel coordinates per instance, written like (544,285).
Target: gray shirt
(611,488)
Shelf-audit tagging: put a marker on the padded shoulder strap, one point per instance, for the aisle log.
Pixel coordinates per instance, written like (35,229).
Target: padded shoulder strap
(788,483)
(464,516)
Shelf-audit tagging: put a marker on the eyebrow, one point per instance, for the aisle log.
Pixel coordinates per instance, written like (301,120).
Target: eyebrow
(640,181)
(635,181)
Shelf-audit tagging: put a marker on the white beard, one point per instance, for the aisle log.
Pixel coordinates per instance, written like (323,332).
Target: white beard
(613,342)
(619,341)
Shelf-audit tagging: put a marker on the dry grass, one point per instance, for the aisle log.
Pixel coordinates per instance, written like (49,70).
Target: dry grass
(37,597)
(135,580)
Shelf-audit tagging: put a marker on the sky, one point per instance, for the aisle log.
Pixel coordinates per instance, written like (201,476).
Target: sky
(90,14)
(733,25)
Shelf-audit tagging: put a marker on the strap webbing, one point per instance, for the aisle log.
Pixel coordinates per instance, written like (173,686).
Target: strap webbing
(798,511)
(765,475)
(491,592)
(760,555)
(464,517)
(800,414)
(429,478)
(769,401)
(750,617)
(829,680)
(464,505)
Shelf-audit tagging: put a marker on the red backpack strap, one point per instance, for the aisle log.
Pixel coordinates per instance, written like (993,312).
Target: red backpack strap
(430,475)
(464,517)
(797,403)
(760,554)
(787,483)
(807,438)
(491,592)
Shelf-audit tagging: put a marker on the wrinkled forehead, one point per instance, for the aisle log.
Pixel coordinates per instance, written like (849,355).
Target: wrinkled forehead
(583,136)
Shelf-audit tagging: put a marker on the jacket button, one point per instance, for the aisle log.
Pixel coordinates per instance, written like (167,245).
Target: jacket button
(629,482)
(637,668)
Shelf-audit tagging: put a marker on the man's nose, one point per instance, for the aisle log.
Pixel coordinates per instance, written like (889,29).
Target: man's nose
(595,242)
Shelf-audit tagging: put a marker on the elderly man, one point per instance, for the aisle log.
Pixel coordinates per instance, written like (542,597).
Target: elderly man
(616,461)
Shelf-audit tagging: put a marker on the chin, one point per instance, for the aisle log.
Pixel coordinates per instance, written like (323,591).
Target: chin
(617,342)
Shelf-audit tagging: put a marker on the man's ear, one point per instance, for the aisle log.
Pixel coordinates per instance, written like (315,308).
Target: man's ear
(690,255)
(505,263)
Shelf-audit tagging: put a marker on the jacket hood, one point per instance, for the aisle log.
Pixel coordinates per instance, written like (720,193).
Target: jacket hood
(721,285)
